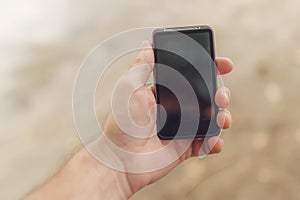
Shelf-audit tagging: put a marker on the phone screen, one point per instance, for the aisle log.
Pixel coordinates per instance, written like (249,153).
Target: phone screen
(198,69)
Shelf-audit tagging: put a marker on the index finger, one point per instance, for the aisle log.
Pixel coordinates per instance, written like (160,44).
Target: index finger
(224,65)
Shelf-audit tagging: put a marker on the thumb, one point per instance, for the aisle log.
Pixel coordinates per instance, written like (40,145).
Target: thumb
(130,82)
(139,74)
(146,55)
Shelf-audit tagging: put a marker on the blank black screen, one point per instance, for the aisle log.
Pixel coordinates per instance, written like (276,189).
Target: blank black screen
(200,75)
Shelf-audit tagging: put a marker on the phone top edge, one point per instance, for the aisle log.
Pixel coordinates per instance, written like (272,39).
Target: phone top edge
(184,28)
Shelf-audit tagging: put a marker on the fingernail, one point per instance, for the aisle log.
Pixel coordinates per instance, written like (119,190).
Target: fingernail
(202,153)
(226,99)
(223,91)
(225,95)
(203,150)
(227,115)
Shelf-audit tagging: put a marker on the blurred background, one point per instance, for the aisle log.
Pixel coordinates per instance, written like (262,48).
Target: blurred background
(43,43)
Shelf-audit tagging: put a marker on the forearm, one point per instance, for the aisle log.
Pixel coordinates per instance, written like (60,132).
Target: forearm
(84,178)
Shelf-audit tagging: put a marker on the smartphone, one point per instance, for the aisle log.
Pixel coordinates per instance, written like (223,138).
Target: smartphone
(185,62)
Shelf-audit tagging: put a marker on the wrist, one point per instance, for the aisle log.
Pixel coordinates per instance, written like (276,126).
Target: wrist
(111,183)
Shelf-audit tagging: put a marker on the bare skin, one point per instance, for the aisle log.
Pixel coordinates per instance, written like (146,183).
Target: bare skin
(83,177)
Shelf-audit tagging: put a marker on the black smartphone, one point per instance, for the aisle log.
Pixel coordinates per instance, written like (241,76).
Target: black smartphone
(186,52)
